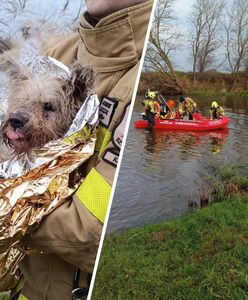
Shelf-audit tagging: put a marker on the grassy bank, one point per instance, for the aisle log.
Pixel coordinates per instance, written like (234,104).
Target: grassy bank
(203,255)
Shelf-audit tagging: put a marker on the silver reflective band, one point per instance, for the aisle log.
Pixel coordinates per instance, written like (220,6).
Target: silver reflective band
(60,64)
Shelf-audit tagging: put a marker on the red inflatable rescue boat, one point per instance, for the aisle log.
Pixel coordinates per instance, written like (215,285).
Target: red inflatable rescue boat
(199,123)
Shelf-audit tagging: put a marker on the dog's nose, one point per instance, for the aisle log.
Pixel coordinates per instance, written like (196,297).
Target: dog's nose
(17,121)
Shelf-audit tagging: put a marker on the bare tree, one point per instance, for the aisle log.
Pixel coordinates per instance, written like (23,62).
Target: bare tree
(236,37)
(205,20)
(163,40)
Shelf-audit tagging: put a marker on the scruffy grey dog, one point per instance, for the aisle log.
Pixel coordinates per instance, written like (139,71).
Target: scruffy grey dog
(41,109)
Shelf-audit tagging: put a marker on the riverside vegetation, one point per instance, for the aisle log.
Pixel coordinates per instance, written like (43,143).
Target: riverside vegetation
(208,83)
(203,255)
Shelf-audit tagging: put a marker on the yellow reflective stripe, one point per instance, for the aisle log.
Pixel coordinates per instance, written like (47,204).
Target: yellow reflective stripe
(87,131)
(103,138)
(105,142)
(94,193)
(18,287)
(101,131)
(22,297)
(78,136)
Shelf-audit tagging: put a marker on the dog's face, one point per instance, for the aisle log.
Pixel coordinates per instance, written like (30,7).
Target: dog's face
(41,110)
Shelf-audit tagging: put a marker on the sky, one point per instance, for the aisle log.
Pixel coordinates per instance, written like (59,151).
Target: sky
(181,58)
(182,8)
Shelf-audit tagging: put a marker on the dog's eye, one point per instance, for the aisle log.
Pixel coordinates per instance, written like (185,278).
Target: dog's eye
(48,106)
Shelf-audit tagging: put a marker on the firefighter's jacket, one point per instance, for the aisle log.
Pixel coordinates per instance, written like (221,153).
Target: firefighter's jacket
(188,106)
(70,235)
(216,113)
(152,106)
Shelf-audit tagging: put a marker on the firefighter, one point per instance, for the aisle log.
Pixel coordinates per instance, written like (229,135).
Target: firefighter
(186,107)
(216,111)
(110,38)
(152,109)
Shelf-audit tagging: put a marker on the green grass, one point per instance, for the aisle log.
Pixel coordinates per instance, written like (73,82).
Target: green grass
(203,255)
(4,296)
(228,181)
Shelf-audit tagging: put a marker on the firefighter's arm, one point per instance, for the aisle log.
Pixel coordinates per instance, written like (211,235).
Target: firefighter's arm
(192,102)
(144,102)
(180,109)
(73,230)
(222,111)
(70,232)
(211,114)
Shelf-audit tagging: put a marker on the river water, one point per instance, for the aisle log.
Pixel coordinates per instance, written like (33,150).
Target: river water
(162,171)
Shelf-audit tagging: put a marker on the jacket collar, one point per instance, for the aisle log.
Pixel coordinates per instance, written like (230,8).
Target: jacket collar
(116,41)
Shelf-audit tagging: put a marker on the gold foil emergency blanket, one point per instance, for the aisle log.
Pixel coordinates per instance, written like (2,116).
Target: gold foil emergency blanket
(9,268)
(26,200)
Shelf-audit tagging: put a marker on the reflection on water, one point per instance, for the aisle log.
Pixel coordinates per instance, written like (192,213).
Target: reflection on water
(162,171)
(185,142)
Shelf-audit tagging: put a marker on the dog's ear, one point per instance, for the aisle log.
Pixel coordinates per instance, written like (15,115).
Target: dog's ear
(80,82)
(12,69)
